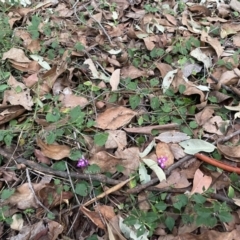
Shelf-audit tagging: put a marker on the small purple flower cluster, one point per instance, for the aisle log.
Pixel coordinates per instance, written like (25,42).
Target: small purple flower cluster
(82,163)
(161,161)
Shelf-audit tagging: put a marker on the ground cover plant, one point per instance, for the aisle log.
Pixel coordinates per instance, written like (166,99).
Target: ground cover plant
(119,119)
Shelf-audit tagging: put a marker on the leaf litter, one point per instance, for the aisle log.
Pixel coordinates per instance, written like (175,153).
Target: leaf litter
(133,90)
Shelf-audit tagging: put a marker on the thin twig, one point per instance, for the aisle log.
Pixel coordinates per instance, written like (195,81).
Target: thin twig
(100,25)
(37,167)
(33,192)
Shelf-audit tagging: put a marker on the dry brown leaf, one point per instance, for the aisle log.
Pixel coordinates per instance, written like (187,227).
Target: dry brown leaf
(231,152)
(20,97)
(163,150)
(150,42)
(201,182)
(214,42)
(8,113)
(229,77)
(235,5)
(17,55)
(200,9)
(132,72)
(130,159)
(163,68)
(105,161)
(56,152)
(31,80)
(50,191)
(23,197)
(203,116)
(193,90)
(236,40)
(106,211)
(116,139)
(143,203)
(175,180)
(177,151)
(71,101)
(213,125)
(114,118)
(115,79)
(41,158)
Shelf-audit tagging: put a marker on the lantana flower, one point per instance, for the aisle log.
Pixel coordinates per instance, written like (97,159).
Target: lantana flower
(161,161)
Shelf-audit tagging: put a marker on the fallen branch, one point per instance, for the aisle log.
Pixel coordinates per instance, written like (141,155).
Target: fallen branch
(37,167)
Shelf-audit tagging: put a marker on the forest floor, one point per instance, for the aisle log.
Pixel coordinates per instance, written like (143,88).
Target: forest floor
(119,119)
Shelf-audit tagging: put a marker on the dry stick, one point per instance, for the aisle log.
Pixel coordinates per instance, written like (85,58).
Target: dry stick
(33,192)
(175,165)
(100,25)
(35,166)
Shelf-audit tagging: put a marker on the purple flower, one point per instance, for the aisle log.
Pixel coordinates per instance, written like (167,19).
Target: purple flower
(161,161)
(82,162)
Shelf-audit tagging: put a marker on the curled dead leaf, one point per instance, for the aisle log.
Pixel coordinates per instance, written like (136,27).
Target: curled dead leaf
(56,152)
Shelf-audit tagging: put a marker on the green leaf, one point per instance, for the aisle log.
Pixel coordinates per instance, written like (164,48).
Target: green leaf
(60,166)
(161,206)
(92,169)
(134,101)
(79,47)
(3,87)
(51,216)
(75,155)
(231,192)
(51,137)
(132,85)
(225,216)
(154,166)
(7,193)
(82,189)
(198,198)
(181,88)
(93,237)
(76,114)
(54,116)
(8,139)
(143,175)
(100,139)
(193,146)
(166,108)
(170,222)
(154,103)
(148,149)
(154,82)
(120,168)
(193,124)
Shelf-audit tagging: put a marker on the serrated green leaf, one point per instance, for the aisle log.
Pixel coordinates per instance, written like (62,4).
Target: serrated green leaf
(82,189)
(7,193)
(100,139)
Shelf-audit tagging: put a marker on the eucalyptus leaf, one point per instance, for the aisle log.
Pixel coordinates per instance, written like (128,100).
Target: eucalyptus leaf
(154,166)
(143,175)
(147,149)
(193,146)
